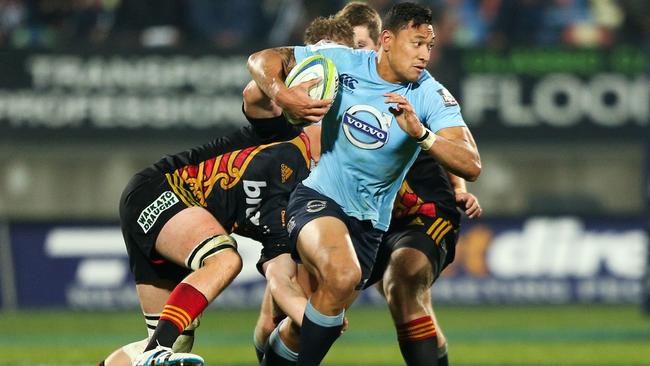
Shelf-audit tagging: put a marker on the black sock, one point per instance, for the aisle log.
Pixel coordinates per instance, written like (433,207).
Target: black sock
(259,354)
(421,352)
(273,359)
(101,363)
(277,353)
(165,335)
(418,342)
(316,339)
(443,361)
(443,358)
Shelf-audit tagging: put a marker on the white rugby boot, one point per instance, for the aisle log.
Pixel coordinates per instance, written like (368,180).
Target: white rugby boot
(164,356)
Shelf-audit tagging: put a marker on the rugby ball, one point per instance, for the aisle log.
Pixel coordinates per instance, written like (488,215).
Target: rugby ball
(311,68)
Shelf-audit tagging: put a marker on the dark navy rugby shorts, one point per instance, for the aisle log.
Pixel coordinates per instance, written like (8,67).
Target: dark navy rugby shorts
(305,205)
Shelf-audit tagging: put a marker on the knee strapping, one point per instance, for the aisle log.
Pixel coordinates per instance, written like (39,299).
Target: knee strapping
(208,248)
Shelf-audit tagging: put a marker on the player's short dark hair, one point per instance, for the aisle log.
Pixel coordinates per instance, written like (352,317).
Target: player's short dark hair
(361,14)
(400,15)
(332,29)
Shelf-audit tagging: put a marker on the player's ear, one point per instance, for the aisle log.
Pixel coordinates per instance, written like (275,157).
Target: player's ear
(385,39)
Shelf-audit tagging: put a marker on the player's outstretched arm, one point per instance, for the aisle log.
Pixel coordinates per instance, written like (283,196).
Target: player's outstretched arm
(465,200)
(281,280)
(269,68)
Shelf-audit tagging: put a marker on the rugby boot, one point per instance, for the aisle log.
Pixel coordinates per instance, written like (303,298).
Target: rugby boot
(164,356)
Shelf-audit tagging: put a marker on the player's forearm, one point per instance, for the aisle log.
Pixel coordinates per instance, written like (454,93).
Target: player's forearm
(457,183)
(288,295)
(458,157)
(281,276)
(269,69)
(257,104)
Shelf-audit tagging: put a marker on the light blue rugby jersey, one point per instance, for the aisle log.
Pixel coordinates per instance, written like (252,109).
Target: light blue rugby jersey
(364,153)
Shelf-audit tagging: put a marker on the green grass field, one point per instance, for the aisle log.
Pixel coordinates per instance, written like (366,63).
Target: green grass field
(478,336)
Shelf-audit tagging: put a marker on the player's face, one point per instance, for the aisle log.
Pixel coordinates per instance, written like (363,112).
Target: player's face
(410,50)
(362,38)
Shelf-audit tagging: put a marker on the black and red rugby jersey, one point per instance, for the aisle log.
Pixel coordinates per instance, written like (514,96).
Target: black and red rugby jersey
(426,190)
(242,179)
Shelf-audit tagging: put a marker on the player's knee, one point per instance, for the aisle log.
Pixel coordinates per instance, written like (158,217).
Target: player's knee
(228,264)
(341,281)
(219,250)
(412,277)
(231,260)
(402,287)
(409,270)
(393,293)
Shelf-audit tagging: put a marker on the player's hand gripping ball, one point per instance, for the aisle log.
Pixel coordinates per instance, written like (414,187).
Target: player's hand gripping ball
(313,67)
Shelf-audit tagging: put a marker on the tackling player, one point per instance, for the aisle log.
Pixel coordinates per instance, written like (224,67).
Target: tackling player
(336,222)
(176,216)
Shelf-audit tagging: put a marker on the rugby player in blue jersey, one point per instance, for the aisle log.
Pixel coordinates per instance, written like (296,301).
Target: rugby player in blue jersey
(422,236)
(420,243)
(388,107)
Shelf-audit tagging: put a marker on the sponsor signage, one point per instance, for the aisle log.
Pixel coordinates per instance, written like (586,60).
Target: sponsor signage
(369,135)
(547,260)
(150,214)
(535,260)
(73,266)
(543,261)
(553,92)
(87,93)
(86,267)
(525,93)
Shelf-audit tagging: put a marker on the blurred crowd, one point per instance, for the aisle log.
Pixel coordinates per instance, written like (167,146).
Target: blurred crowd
(237,24)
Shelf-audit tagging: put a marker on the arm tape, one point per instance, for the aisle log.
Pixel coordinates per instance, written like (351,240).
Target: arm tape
(427,140)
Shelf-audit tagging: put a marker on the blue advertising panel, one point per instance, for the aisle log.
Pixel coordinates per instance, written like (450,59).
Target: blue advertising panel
(85,266)
(543,260)
(534,260)
(80,266)
(547,260)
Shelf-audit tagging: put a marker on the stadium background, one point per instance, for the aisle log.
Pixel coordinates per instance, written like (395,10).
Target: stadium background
(556,93)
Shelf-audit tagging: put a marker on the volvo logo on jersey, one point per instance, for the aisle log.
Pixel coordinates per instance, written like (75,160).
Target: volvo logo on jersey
(366,127)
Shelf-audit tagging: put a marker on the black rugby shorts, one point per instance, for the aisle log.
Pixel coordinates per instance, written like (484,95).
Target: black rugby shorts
(305,205)
(147,203)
